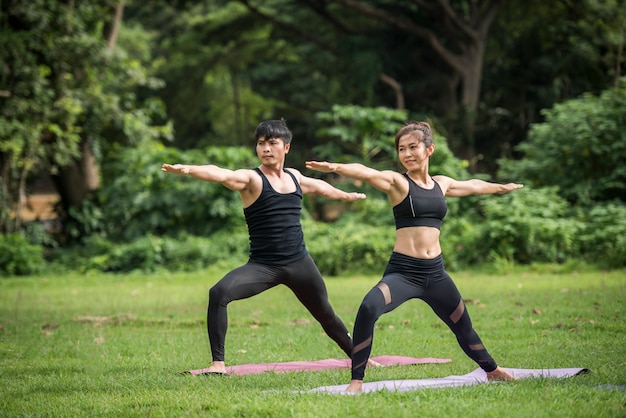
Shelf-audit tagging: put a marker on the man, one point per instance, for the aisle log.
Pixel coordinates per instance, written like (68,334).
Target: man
(272,202)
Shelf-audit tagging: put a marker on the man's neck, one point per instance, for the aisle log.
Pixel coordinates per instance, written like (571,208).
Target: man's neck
(272,170)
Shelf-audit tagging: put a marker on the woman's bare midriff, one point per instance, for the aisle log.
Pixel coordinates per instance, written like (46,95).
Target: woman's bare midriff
(418,241)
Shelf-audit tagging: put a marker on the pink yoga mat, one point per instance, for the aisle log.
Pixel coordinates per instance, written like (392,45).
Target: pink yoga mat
(328,364)
(476,377)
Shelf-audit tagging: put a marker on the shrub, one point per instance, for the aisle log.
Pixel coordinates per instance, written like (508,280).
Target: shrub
(18,256)
(152,253)
(603,239)
(137,199)
(348,246)
(529,225)
(186,253)
(460,243)
(581,147)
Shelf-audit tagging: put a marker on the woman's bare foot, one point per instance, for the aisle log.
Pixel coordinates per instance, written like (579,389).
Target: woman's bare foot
(355,386)
(372,363)
(216,367)
(500,374)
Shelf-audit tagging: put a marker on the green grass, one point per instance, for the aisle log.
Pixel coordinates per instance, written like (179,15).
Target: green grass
(57,358)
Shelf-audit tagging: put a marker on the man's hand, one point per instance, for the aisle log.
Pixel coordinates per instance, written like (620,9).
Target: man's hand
(351,197)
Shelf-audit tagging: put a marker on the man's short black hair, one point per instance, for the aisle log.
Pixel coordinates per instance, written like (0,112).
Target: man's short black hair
(273,129)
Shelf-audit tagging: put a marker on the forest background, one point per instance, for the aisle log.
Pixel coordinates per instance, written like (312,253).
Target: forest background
(95,95)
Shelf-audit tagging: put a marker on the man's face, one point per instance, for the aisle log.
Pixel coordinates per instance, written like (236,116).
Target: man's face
(271,151)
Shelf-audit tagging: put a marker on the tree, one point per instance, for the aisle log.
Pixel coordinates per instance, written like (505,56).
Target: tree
(70,95)
(230,62)
(208,53)
(581,148)
(442,43)
(543,53)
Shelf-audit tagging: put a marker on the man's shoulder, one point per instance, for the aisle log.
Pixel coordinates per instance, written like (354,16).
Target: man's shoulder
(294,172)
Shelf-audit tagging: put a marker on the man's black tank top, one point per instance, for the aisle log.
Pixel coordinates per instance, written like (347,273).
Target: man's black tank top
(274,226)
(421,207)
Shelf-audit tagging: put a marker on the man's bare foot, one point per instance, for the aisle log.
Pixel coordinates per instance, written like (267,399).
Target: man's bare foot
(372,363)
(355,386)
(500,374)
(216,367)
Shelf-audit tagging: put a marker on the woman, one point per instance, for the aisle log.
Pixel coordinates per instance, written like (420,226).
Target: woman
(416,268)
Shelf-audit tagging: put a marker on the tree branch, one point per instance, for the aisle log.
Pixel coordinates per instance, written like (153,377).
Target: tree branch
(320,8)
(397,88)
(457,20)
(117,22)
(291,28)
(450,58)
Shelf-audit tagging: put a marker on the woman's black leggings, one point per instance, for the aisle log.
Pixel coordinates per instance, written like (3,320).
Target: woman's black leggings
(302,277)
(408,278)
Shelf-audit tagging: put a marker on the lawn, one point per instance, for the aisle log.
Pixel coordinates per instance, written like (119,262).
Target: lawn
(111,345)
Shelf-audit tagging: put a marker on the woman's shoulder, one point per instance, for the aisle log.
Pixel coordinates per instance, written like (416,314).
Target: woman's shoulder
(444,182)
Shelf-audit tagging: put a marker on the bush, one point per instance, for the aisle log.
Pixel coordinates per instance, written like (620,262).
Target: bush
(187,253)
(603,239)
(528,226)
(138,200)
(152,253)
(19,257)
(581,148)
(460,243)
(348,246)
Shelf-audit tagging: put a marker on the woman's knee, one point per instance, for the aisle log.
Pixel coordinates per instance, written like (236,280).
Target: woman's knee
(463,326)
(373,304)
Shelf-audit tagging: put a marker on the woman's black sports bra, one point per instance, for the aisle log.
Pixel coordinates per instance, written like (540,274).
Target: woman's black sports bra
(421,207)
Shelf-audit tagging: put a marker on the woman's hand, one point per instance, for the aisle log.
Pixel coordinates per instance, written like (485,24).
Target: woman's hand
(175,169)
(323,166)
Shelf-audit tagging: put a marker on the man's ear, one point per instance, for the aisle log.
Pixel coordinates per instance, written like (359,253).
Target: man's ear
(287,147)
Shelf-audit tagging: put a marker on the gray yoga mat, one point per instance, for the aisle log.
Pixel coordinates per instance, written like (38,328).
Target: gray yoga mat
(476,377)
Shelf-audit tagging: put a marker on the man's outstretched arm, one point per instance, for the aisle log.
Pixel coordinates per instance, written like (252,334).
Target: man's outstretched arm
(233,179)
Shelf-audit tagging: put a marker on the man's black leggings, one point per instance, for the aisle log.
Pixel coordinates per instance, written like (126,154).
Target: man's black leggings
(302,277)
(408,278)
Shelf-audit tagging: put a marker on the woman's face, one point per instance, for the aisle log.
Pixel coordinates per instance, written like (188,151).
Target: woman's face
(412,152)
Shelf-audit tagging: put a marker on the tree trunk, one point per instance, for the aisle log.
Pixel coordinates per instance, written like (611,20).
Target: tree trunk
(117,23)
(5,198)
(397,89)
(74,182)
(467,29)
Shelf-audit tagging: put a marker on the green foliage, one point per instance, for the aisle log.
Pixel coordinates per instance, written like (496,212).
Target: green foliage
(359,134)
(460,242)
(540,54)
(581,148)
(18,256)
(349,246)
(529,225)
(525,227)
(66,87)
(603,239)
(373,211)
(366,135)
(151,253)
(138,199)
(37,233)
(444,162)
(85,220)
(219,58)
(208,54)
